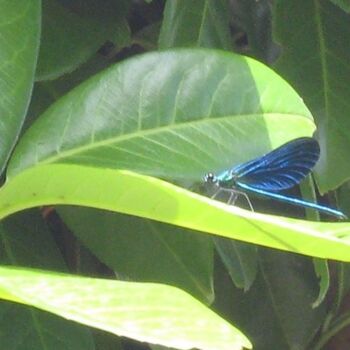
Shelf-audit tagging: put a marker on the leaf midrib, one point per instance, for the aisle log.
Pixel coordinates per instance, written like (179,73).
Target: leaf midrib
(142,133)
(323,61)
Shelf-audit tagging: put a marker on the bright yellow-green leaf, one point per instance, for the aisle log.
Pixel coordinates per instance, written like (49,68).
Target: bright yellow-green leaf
(148,312)
(148,197)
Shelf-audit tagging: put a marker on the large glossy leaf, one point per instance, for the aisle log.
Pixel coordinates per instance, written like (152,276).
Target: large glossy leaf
(196,23)
(315,60)
(175,114)
(145,250)
(25,240)
(147,312)
(139,195)
(19,43)
(47,92)
(70,37)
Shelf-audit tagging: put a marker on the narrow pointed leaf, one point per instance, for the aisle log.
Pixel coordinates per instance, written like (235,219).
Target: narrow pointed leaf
(139,195)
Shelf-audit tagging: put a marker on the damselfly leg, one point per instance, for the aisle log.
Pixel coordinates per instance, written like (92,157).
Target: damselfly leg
(234,194)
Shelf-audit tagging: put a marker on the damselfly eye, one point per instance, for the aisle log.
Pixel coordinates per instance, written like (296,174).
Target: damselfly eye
(210,177)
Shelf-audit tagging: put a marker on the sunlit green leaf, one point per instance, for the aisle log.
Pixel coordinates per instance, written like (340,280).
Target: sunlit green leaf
(192,111)
(148,312)
(131,193)
(25,240)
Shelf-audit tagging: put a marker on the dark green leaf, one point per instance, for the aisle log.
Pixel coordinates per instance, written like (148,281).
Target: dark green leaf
(343,4)
(315,37)
(24,328)
(277,311)
(106,341)
(19,43)
(254,17)
(70,38)
(25,240)
(240,260)
(146,251)
(202,23)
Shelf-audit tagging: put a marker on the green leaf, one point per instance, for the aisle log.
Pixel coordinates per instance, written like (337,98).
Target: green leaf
(276,313)
(307,189)
(147,312)
(47,92)
(145,250)
(175,114)
(315,61)
(343,4)
(280,271)
(106,341)
(240,260)
(25,240)
(70,38)
(196,23)
(19,43)
(254,17)
(131,193)
(322,272)
(24,328)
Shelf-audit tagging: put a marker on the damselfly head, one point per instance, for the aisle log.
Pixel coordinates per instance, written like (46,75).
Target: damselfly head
(210,178)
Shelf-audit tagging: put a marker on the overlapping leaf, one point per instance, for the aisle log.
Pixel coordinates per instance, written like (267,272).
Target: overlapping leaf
(139,195)
(147,312)
(145,250)
(196,23)
(316,49)
(19,43)
(175,114)
(70,38)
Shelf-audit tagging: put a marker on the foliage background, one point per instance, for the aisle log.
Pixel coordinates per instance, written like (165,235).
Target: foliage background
(81,106)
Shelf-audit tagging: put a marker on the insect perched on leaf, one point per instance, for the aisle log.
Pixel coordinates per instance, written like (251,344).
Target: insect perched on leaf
(276,171)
